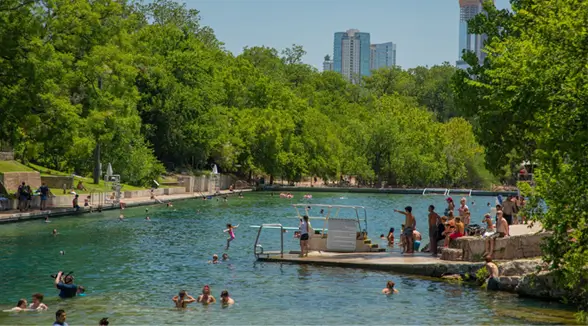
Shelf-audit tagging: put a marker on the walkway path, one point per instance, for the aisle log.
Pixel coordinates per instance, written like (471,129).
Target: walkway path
(15,215)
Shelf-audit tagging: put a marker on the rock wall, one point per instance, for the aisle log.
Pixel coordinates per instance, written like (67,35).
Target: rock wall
(12,180)
(57,182)
(509,248)
(6,156)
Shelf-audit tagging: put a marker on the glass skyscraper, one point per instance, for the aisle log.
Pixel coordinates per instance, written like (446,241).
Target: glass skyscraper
(468,9)
(351,54)
(383,55)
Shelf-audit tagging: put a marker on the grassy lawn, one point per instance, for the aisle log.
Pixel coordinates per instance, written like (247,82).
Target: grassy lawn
(13,166)
(88,182)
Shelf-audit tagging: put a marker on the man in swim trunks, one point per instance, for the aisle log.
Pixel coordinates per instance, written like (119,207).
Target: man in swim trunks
(67,288)
(493,283)
(417,239)
(206,298)
(183,299)
(409,226)
(502,230)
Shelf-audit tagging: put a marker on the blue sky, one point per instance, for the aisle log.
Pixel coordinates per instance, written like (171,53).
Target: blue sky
(425,31)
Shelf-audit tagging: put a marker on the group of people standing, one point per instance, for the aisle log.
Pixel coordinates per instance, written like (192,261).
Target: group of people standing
(25,196)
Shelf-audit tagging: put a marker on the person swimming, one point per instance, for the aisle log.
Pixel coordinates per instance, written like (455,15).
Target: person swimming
(225,256)
(231,230)
(147,218)
(226,300)
(183,299)
(389,289)
(214,259)
(81,292)
(54,231)
(21,305)
(38,302)
(206,298)
(121,217)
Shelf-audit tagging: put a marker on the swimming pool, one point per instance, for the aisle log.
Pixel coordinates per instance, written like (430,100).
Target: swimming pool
(131,269)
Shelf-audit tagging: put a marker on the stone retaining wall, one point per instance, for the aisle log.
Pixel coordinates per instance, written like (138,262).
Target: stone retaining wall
(6,156)
(57,182)
(12,180)
(509,248)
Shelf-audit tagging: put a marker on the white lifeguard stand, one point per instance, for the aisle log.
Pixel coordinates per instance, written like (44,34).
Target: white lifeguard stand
(112,181)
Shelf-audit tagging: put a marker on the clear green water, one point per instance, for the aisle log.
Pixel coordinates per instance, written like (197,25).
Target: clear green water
(131,269)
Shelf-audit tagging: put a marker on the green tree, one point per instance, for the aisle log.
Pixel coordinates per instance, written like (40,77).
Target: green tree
(526,105)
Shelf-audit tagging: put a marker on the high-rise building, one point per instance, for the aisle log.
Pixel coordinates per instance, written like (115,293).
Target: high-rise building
(382,55)
(328,63)
(468,9)
(351,54)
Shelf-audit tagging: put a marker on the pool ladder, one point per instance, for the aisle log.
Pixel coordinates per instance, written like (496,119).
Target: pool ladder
(258,249)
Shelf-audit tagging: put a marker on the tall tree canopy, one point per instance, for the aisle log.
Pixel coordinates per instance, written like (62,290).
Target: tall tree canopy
(153,88)
(529,101)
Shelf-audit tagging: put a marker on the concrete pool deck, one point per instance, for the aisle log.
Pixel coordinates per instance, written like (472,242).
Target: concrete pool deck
(414,264)
(419,263)
(16,216)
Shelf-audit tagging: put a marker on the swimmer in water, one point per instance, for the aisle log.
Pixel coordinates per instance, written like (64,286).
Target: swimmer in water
(183,299)
(121,217)
(214,259)
(389,289)
(322,211)
(225,256)
(226,300)
(169,204)
(47,219)
(38,302)
(21,305)
(81,292)
(147,218)
(231,230)
(54,231)
(206,298)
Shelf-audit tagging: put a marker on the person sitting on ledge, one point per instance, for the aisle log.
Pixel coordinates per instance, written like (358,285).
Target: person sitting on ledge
(502,230)
(457,231)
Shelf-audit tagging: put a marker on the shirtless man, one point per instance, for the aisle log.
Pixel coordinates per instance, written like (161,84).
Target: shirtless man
(502,230)
(183,299)
(417,237)
(206,298)
(433,230)
(409,226)
(492,269)
(226,300)
(38,302)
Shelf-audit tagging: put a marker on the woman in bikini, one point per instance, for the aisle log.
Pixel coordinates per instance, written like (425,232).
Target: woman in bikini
(206,298)
(231,230)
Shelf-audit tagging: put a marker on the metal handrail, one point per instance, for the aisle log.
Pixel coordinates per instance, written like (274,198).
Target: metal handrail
(445,191)
(469,191)
(259,234)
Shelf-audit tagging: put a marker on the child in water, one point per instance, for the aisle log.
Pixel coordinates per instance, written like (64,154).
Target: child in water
(231,230)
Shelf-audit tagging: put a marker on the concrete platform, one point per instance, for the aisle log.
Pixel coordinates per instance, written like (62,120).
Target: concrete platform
(16,216)
(415,264)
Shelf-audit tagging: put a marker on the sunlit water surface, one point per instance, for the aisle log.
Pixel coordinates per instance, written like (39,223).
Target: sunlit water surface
(131,269)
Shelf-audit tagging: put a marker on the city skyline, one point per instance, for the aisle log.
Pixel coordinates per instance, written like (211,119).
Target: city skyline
(423,37)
